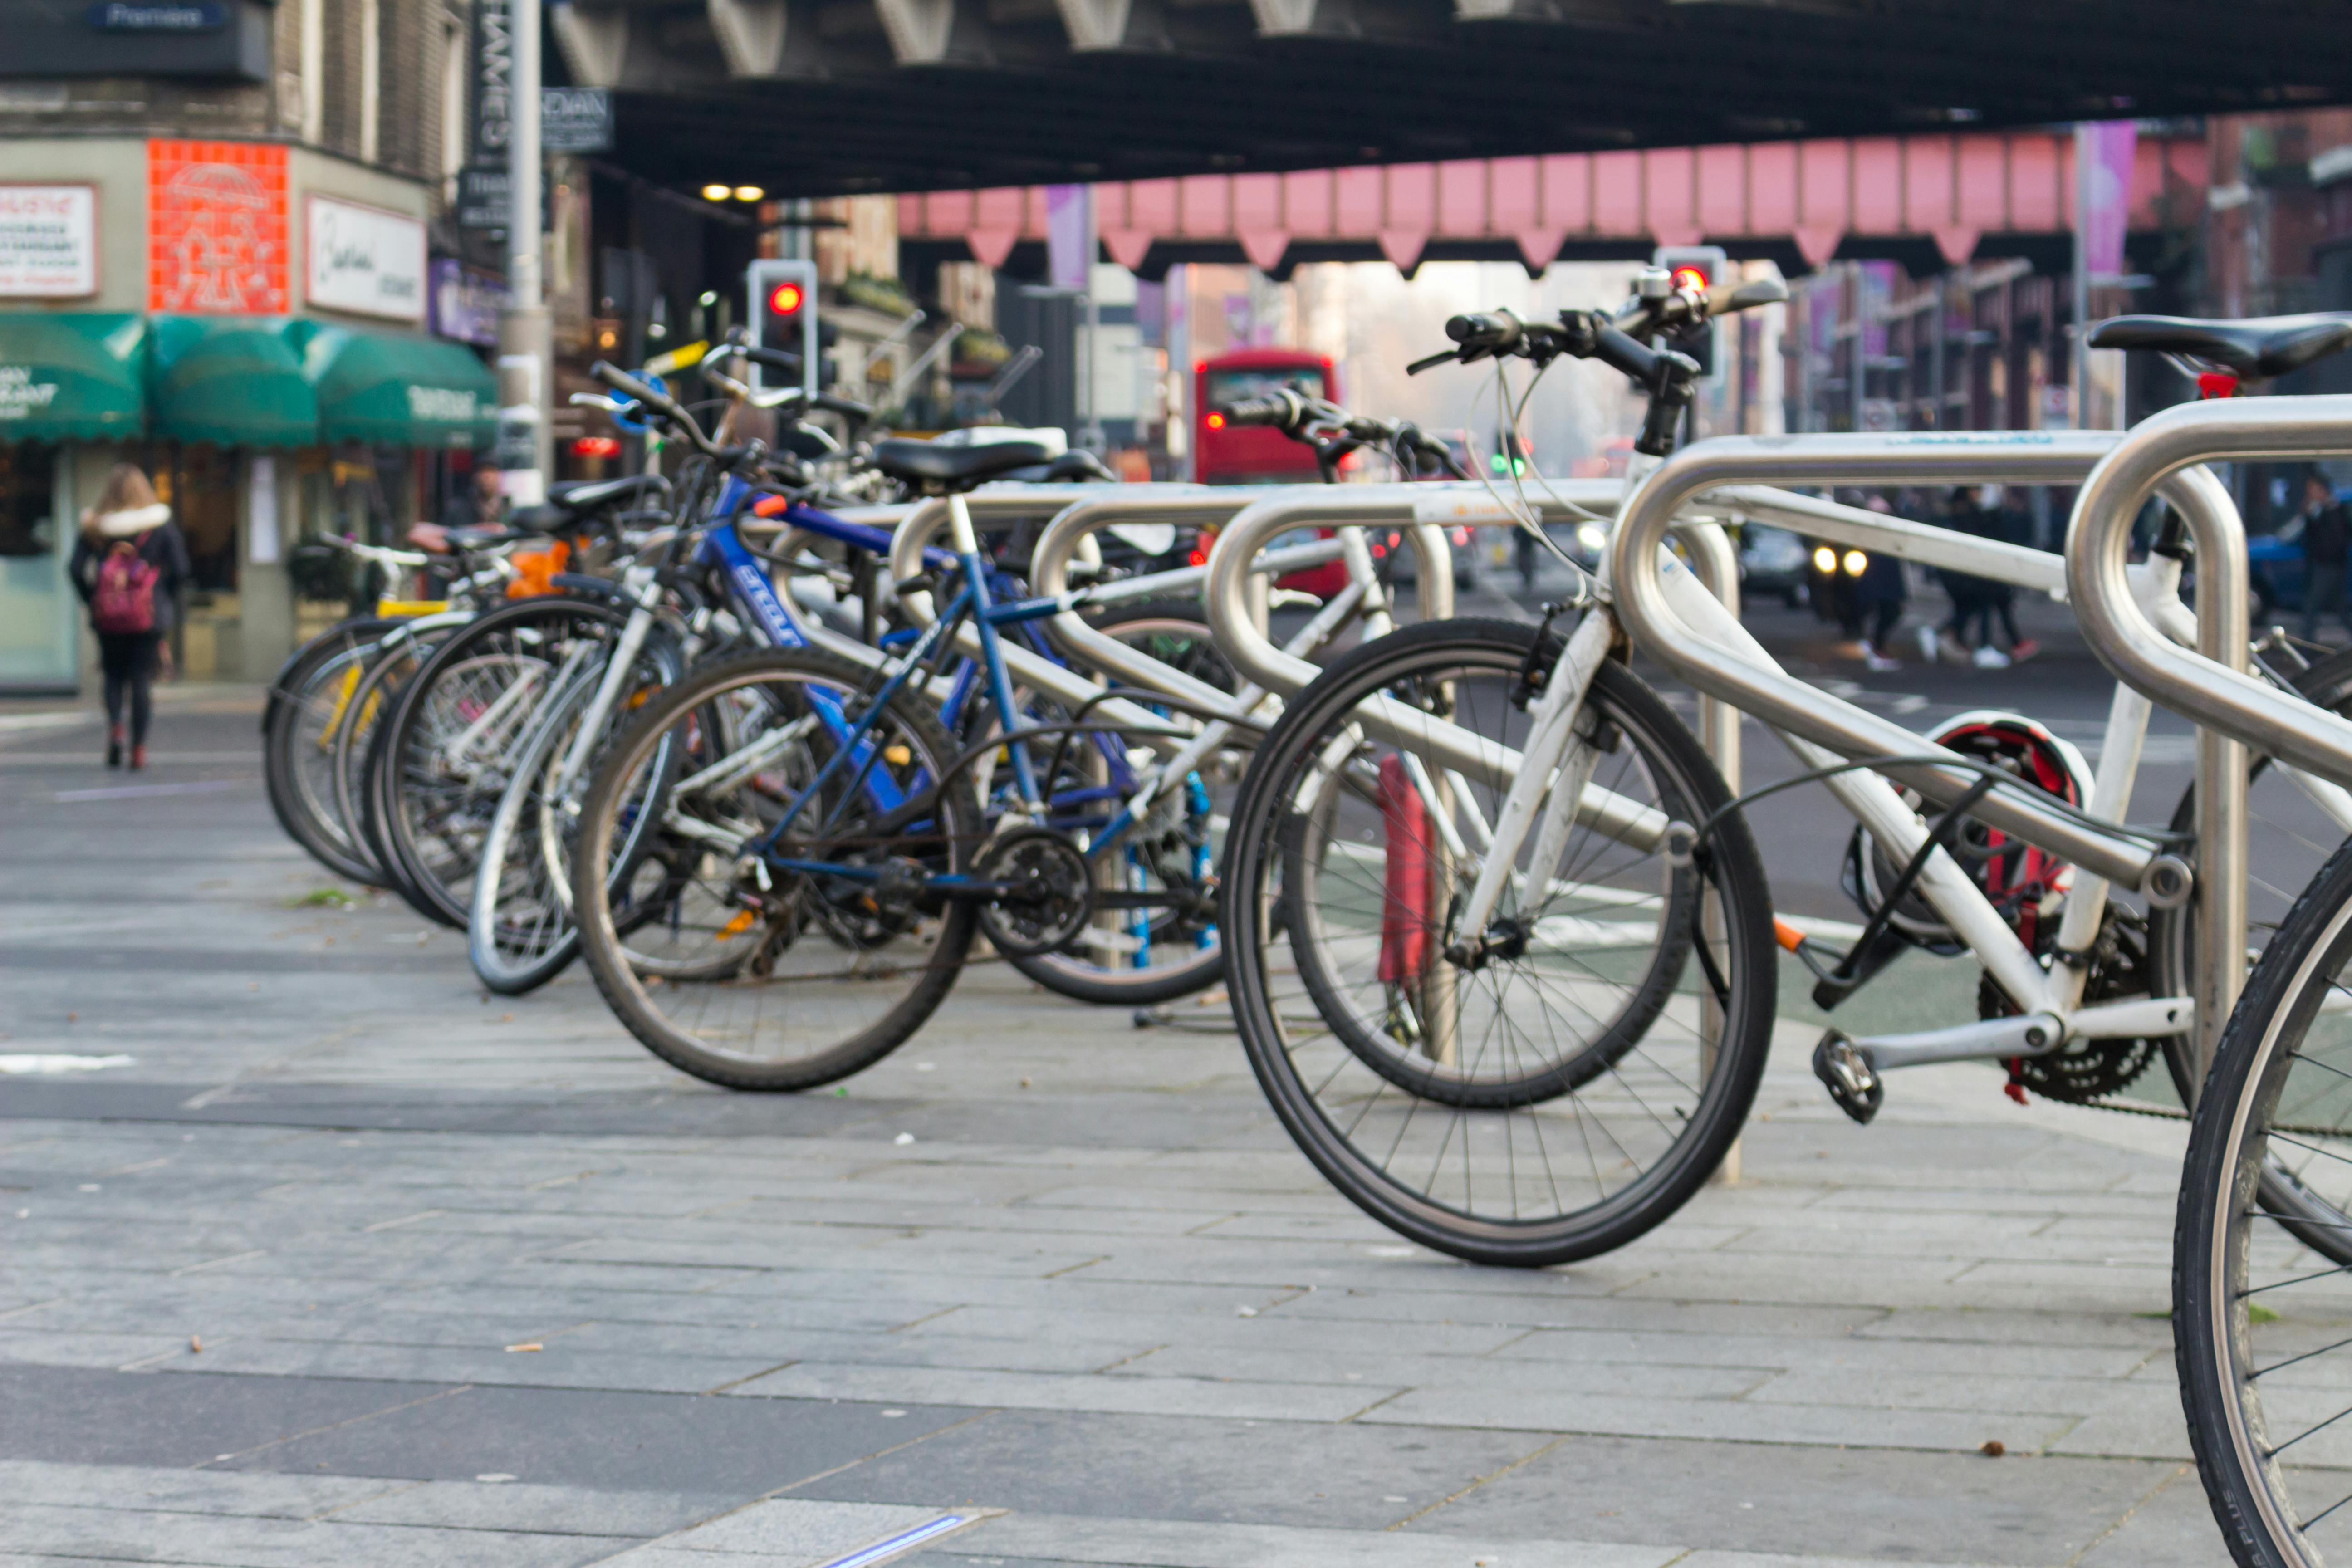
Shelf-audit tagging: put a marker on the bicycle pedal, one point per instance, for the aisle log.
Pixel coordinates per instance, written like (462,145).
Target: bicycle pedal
(1852,1081)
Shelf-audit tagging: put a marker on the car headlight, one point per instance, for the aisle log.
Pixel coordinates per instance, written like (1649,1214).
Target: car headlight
(1825,561)
(1856,563)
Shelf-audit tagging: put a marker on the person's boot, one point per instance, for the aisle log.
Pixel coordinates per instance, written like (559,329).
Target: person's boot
(114,745)
(138,757)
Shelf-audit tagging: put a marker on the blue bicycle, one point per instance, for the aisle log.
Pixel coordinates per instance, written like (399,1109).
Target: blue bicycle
(823,849)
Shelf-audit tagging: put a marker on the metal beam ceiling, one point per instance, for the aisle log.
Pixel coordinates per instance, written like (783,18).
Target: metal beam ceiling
(826,97)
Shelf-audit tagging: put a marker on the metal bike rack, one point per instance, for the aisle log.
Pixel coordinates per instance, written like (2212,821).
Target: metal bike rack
(924,524)
(2209,685)
(1422,511)
(1740,676)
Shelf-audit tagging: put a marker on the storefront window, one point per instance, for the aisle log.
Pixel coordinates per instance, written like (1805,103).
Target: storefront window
(199,484)
(27,499)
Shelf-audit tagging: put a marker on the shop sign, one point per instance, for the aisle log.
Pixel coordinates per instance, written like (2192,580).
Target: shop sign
(466,303)
(217,227)
(117,17)
(48,242)
(493,78)
(442,405)
(575,120)
(363,259)
(20,396)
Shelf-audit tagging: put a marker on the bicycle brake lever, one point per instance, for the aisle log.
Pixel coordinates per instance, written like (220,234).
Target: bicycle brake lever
(1434,361)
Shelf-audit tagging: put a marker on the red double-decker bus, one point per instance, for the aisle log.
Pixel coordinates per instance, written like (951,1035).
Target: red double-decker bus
(1255,455)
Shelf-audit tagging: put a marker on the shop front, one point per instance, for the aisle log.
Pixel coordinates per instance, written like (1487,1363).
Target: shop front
(244,319)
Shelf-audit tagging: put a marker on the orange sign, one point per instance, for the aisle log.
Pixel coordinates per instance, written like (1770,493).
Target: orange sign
(217,227)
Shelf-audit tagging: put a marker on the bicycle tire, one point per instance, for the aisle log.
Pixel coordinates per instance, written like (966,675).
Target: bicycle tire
(1183,622)
(617,970)
(2325,1224)
(2219,1338)
(402,651)
(437,879)
(308,813)
(1738,965)
(516,952)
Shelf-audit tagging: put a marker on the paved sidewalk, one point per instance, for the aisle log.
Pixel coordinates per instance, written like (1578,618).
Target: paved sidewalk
(478,1282)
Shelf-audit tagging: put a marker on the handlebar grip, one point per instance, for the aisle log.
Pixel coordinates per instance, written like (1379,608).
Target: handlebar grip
(1496,331)
(619,380)
(1257,411)
(847,407)
(775,359)
(1727,297)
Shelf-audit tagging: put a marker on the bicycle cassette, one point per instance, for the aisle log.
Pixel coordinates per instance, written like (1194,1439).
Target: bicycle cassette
(1049,892)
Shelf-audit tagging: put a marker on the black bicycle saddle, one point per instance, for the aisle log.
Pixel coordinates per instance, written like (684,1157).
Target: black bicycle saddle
(930,463)
(2257,347)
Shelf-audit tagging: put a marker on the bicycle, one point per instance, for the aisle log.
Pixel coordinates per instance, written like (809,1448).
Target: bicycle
(1638,938)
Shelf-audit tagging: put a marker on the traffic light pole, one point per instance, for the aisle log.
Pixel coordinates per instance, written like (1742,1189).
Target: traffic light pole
(525,442)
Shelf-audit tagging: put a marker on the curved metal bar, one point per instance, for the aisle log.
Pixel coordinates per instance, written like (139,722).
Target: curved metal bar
(1746,677)
(1426,508)
(2207,685)
(1049,577)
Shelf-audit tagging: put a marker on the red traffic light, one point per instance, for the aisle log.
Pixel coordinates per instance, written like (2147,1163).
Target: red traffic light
(1689,277)
(785,299)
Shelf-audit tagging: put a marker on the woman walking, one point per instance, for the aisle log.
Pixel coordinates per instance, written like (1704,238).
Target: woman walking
(128,566)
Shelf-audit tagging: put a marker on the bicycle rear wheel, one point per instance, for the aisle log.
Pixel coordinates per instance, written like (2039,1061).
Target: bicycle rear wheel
(790,968)
(1147,952)
(1572,1086)
(2264,1362)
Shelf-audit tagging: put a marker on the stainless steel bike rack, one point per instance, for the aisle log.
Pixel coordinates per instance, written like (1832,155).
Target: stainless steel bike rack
(2209,685)
(1791,705)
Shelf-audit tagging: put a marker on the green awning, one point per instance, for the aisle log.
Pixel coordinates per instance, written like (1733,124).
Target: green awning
(70,376)
(400,391)
(233,380)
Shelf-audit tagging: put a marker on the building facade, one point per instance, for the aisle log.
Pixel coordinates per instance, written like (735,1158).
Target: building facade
(218,230)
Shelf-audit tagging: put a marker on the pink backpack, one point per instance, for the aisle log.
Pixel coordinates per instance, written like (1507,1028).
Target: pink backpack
(124,600)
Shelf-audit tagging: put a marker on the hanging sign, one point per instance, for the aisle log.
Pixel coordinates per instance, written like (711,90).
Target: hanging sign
(48,242)
(363,259)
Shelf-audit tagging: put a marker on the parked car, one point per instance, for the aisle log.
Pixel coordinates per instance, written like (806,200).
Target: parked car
(1773,564)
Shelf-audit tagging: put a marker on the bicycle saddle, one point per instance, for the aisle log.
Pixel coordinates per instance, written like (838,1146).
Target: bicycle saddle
(2257,347)
(1074,467)
(580,496)
(929,462)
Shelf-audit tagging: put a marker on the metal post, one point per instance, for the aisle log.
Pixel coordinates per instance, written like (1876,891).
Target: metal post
(2081,366)
(1718,567)
(1090,436)
(525,447)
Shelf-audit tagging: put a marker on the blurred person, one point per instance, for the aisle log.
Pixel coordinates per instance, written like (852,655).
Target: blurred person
(1968,594)
(128,565)
(2325,529)
(1880,594)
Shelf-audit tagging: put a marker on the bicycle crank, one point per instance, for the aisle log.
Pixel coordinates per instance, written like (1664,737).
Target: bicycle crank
(1048,895)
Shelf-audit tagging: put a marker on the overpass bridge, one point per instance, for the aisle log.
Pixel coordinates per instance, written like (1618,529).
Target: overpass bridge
(828,97)
(1928,200)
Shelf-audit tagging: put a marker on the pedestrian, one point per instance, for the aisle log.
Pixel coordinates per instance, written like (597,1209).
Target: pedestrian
(1967,592)
(1881,593)
(2326,532)
(1988,520)
(128,565)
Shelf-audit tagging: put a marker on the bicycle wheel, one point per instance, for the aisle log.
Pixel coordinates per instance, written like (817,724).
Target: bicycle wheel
(1567,1088)
(449,747)
(2286,833)
(2264,1364)
(1164,944)
(520,934)
(402,652)
(309,706)
(793,968)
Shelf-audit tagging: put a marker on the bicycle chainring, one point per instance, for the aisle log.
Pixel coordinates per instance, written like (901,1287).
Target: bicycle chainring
(1051,896)
(2083,1071)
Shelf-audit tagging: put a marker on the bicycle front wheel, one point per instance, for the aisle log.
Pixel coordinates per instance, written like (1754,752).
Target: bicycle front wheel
(309,708)
(2265,1362)
(1571,1082)
(755,950)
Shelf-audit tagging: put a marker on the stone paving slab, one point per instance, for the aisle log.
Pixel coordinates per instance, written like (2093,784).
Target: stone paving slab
(1099,1303)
